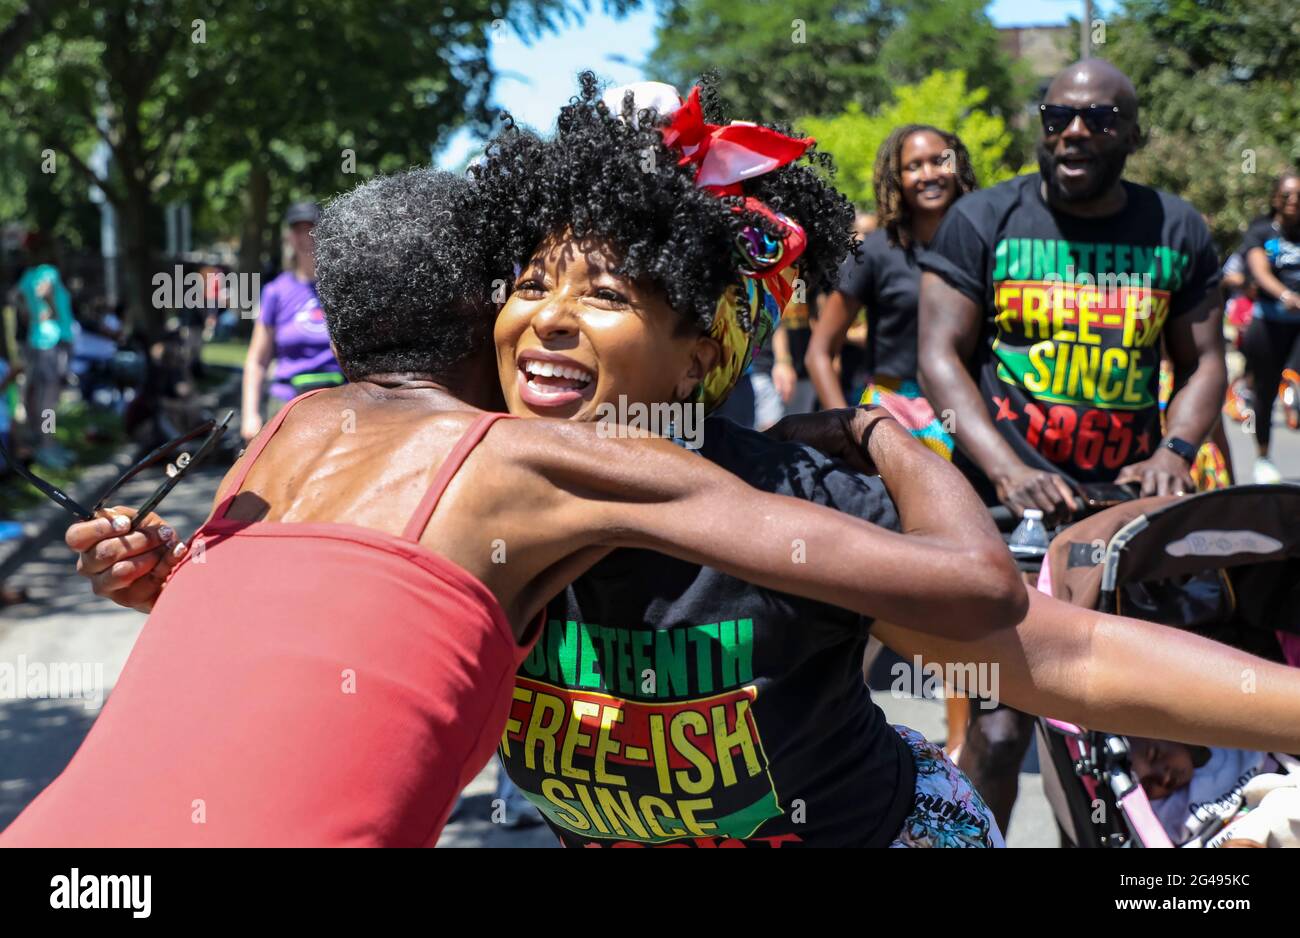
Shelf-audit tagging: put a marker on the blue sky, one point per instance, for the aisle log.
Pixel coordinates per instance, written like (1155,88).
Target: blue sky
(535,79)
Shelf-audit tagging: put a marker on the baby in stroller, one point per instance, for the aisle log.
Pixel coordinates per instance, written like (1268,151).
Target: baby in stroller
(1211,797)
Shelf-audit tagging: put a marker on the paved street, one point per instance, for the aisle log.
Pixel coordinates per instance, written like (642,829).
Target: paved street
(64,623)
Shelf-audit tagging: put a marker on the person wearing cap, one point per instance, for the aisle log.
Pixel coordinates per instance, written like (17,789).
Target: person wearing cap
(290,329)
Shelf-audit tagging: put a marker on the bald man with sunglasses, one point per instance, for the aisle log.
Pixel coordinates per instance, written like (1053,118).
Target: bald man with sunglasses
(1045,304)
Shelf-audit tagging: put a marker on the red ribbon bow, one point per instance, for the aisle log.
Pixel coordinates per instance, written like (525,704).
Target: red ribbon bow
(727,155)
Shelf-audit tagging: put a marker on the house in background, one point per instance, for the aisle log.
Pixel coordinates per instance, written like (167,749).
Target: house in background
(1044,49)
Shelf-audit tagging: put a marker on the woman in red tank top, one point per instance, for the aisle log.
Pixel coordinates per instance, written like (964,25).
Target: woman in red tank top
(329,661)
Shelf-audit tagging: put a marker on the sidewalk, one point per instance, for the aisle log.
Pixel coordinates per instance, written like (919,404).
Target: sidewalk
(65,624)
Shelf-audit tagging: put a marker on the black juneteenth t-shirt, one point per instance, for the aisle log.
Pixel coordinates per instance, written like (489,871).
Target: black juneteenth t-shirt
(1069,357)
(667,703)
(885,279)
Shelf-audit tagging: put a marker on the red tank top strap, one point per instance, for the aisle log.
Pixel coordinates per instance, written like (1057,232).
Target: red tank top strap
(255,448)
(450,466)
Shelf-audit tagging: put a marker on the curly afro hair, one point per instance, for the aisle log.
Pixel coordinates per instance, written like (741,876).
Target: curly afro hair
(403,276)
(610,176)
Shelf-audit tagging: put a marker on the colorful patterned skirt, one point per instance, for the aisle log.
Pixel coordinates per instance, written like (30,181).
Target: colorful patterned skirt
(903,399)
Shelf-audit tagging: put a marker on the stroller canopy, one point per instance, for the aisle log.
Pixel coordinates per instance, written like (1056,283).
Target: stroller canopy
(1172,558)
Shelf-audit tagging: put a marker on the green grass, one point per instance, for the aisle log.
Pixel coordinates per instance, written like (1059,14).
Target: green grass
(225,354)
(75,425)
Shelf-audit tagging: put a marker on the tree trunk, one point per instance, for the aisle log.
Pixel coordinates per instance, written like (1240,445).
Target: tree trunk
(139,263)
(256,206)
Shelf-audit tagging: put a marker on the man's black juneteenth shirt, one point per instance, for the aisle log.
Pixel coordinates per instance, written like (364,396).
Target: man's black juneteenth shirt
(1068,361)
(670,704)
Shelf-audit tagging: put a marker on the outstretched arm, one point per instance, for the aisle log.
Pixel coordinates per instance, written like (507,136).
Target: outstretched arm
(950,573)
(1123,675)
(589,491)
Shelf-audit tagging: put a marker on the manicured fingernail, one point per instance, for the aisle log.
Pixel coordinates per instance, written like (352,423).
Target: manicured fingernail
(121,523)
(166,534)
(179,549)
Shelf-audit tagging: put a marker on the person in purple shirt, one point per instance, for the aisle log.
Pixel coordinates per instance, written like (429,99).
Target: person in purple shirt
(290,329)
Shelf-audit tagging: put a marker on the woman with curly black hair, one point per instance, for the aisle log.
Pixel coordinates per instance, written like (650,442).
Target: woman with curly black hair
(690,249)
(669,703)
(654,254)
(920,172)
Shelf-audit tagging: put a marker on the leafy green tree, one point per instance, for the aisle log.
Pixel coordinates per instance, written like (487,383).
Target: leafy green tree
(23,21)
(777,61)
(181,91)
(956,35)
(1219,87)
(941,99)
(35,194)
(1253,40)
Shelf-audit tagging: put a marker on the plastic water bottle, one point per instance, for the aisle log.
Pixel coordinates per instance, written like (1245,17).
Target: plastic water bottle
(1030,537)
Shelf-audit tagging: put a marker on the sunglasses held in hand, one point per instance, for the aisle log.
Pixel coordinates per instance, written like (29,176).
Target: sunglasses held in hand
(212,432)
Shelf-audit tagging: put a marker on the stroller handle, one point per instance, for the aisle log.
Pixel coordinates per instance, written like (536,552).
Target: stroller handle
(1003,517)
(1095,497)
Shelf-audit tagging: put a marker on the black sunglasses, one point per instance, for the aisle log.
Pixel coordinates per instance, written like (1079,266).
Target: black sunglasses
(1098,118)
(175,472)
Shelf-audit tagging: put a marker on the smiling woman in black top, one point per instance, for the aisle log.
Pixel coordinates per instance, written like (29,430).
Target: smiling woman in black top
(668,703)
(920,172)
